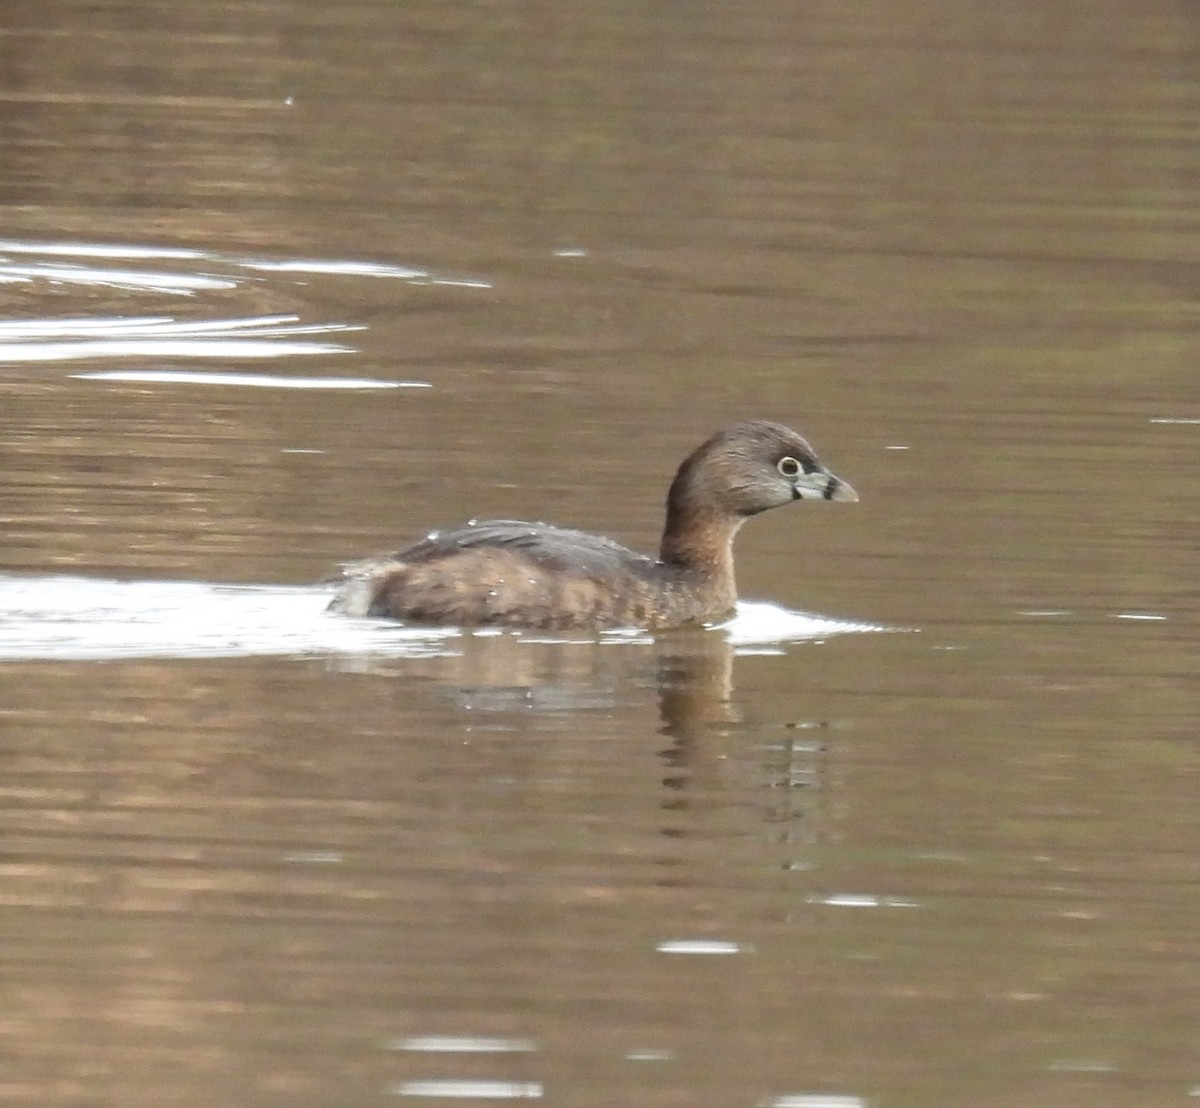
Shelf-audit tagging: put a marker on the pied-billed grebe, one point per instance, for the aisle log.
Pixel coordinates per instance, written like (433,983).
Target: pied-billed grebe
(532,575)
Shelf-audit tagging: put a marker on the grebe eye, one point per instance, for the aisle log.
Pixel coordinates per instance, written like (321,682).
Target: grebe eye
(788,466)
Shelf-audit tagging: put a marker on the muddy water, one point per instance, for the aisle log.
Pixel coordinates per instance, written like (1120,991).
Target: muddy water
(285,284)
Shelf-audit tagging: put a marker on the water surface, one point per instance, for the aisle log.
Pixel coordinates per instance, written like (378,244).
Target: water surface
(289,284)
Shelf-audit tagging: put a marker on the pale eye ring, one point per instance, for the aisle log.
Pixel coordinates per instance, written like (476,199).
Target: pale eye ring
(788,466)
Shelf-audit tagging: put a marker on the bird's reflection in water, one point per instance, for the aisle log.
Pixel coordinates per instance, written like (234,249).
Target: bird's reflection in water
(714,759)
(701,717)
(695,687)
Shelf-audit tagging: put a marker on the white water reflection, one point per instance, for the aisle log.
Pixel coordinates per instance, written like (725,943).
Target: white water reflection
(699,946)
(363,269)
(456,1089)
(55,340)
(165,348)
(82,618)
(341,268)
(816,1100)
(96,250)
(462,1044)
(862,900)
(128,280)
(272,336)
(245,380)
(186,284)
(159,326)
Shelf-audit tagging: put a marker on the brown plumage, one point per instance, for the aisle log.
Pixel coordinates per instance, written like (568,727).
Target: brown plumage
(512,574)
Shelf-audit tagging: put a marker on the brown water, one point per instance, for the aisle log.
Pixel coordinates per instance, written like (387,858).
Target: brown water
(254,855)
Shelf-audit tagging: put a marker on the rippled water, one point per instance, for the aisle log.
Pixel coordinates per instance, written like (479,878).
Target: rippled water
(288,285)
